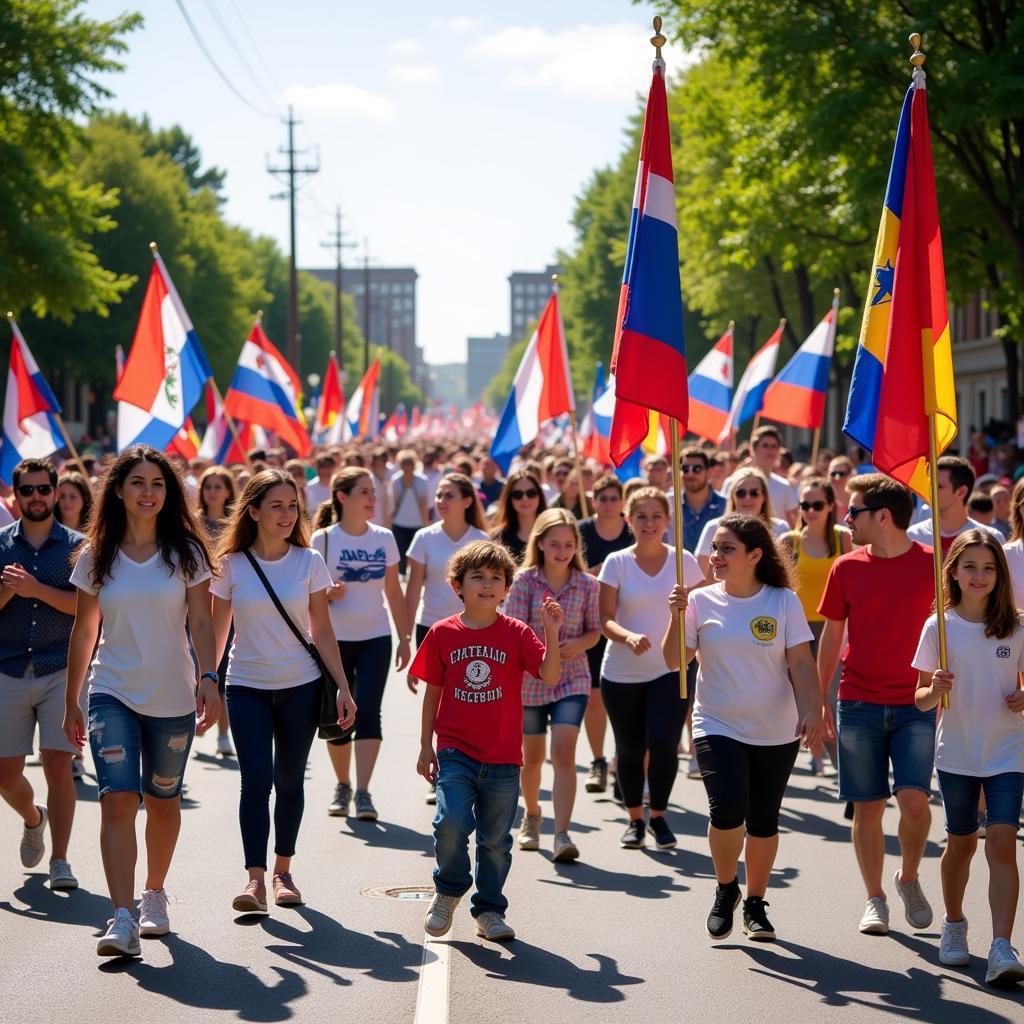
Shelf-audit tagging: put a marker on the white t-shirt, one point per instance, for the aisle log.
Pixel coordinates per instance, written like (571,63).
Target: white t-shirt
(780,490)
(360,563)
(407,500)
(143,656)
(316,494)
(707,535)
(432,548)
(643,608)
(1014,552)
(922,531)
(977,734)
(743,687)
(265,653)
(385,499)
(433,478)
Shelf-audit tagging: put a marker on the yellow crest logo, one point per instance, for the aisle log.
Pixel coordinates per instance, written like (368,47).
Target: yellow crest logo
(764,628)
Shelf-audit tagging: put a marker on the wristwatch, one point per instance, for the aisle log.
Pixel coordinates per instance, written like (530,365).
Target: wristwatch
(210,675)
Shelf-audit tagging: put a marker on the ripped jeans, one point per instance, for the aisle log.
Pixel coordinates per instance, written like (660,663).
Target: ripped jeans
(136,753)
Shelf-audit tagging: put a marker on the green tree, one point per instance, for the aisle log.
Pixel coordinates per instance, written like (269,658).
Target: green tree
(49,55)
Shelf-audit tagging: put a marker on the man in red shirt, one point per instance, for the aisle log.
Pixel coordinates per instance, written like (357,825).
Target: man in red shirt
(473,664)
(882,593)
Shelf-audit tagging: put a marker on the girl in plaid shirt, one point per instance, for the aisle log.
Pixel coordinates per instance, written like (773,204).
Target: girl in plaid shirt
(553,565)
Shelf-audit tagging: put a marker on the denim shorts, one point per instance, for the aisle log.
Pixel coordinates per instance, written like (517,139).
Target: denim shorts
(872,735)
(567,711)
(136,753)
(960,793)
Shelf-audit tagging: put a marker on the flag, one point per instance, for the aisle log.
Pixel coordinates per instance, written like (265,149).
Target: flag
(604,414)
(710,388)
(31,427)
(903,371)
(592,444)
(797,395)
(415,423)
(363,410)
(186,442)
(649,358)
(265,391)
(746,403)
(165,371)
(541,390)
(219,445)
(331,404)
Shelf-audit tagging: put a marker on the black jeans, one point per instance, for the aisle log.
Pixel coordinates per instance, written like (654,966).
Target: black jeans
(273,732)
(647,718)
(366,664)
(403,538)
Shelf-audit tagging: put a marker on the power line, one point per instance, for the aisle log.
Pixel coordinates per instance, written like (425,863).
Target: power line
(239,53)
(213,63)
(255,46)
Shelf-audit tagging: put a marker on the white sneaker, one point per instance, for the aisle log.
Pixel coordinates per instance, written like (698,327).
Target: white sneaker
(692,769)
(953,951)
(1003,966)
(492,926)
(916,908)
(61,875)
(438,921)
(224,748)
(876,917)
(121,937)
(33,841)
(153,919)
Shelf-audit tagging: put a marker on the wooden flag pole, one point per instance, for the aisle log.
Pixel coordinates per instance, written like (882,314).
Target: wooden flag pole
(677,524)
(940,612)
(814,446)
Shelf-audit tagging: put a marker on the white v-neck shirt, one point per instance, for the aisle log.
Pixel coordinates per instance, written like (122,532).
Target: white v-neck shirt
(432,548)
(143,657)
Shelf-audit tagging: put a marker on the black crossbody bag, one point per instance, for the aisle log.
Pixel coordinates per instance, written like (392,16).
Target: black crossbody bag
(327,724)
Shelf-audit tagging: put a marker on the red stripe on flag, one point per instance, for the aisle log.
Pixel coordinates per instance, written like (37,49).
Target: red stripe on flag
(144,369)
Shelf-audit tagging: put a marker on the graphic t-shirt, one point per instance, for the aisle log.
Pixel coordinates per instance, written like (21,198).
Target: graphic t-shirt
(977,734)
(359,561)
(480,672)
(885,602)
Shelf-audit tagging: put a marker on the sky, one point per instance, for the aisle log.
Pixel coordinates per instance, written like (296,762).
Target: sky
(454,136)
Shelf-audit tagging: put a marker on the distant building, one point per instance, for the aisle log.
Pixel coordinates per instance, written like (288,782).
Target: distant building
(528,292)
(446,383)
(484,359)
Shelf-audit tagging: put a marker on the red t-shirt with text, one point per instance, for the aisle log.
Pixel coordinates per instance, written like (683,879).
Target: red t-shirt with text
(885,602)
(480,672)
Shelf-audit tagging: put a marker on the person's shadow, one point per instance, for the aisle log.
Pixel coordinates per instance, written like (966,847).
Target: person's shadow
(389,836)
(582,875)
(77,906)
(532,965)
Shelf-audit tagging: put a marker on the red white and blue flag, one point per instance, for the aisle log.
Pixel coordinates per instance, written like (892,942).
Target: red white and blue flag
(711,390)
(31,429)
(331,405)
(797,395)
(165,371)
(186,442)
(747,401)
(541,389)
(362,414)
(649,359)
(265,392)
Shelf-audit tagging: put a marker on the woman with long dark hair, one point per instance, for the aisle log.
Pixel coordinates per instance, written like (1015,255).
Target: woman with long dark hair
(273,682)
(144,568)
(74,501)
(522,500)
(1014,547)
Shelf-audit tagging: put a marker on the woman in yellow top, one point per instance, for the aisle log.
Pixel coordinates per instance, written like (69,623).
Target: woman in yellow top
(814,547)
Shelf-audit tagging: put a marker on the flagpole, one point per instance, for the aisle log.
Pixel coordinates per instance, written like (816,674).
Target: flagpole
(677,524)
(816,440)
(572,423)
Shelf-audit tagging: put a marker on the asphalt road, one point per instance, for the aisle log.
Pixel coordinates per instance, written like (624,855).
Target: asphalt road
(617,936)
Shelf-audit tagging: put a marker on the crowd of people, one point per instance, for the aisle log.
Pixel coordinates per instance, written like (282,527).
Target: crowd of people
(146,600)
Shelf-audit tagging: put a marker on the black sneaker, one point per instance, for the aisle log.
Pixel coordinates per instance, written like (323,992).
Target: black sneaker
(727,899)
(756,925)
(664,837)
(633,837)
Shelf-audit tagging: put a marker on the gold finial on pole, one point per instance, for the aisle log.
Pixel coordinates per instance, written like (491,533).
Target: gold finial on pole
(554,282)
(732,325)
(835,293)
(917,58)
(657,40)
(10,314)
(259,316)
(153,248)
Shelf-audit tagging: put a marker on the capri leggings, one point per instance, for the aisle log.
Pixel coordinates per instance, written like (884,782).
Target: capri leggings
(366,664)
(745,782)
(647,718)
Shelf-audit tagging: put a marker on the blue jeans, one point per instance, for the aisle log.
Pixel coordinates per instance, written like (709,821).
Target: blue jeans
(481,797)
(870,735)
(960,795)
(273,731)
(567,711)
(136,753)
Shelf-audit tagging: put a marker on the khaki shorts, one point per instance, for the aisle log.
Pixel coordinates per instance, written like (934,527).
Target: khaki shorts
(29,700)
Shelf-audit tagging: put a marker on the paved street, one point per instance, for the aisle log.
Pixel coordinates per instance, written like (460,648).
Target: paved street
(618,936)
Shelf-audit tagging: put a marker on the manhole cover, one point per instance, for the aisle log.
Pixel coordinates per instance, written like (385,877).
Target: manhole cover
(401,892)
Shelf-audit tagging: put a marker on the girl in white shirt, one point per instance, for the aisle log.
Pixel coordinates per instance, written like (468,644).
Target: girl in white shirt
(748,716)
(979,744)
(145,567)
(641,693)
(362,558)
(273,683)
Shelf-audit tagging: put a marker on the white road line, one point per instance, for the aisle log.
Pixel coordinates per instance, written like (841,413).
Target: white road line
(432,994)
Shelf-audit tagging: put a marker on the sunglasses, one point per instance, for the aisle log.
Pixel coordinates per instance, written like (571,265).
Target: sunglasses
(839,474)
(807,506)
(685,470)
(855,510)
(744,493)
(27,490)
(607,498)
(519,495)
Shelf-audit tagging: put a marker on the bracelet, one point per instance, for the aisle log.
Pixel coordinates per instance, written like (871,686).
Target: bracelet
(210,675)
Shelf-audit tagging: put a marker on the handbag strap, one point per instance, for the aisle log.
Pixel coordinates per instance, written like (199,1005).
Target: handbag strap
(277,601)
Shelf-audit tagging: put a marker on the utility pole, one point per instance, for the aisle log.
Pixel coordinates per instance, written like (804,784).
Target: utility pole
(290,173)
(366,304)
(338,244)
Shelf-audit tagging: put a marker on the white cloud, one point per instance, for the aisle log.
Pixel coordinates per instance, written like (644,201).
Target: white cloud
(463,24)
(342,99)
(601,62)
(405,46)
(415,73)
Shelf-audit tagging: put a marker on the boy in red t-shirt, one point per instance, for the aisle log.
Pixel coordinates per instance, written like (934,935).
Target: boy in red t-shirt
(473,664)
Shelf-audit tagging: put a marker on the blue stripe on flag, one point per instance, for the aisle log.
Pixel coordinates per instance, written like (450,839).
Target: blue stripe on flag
(655,304)
(255,385)
(862,405)
(710,392)
(806,370)
(507,440)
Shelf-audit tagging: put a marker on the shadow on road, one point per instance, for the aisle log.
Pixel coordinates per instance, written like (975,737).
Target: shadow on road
(838,831)
(531,965)
(79,906)
(215,762)
(580,875)
(389,836)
